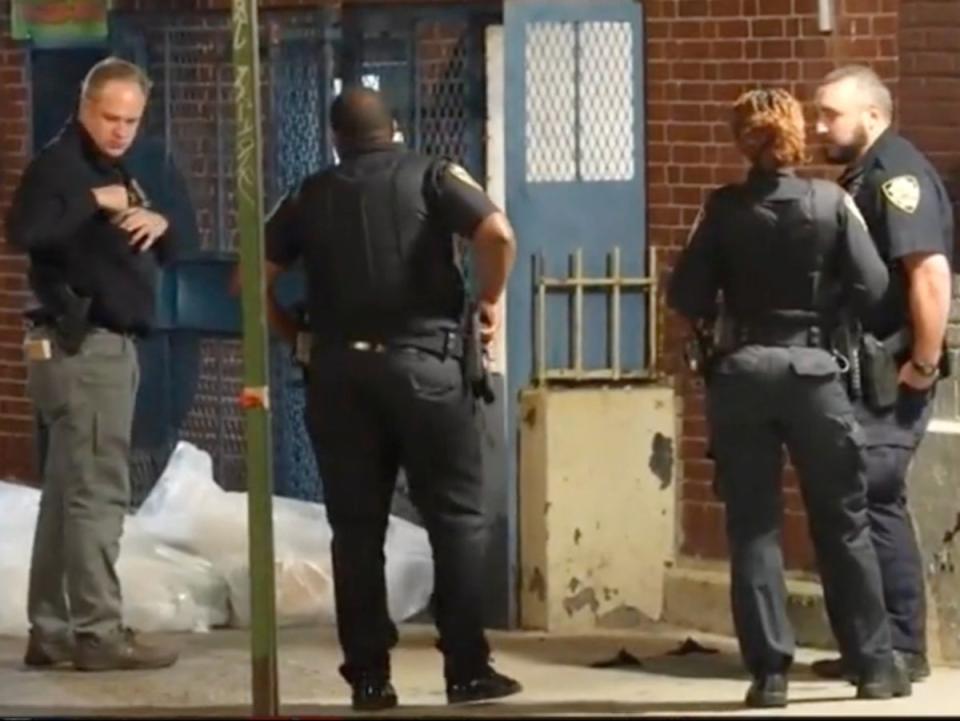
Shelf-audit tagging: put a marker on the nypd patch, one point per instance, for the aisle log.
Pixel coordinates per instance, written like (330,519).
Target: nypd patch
(903,192)
(463,176)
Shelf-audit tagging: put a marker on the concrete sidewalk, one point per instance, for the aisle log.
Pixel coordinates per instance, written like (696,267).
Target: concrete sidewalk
(213,679)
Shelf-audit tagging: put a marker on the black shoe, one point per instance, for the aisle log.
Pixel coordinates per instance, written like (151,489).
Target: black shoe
(484,686)
(891,680)
(918,668)
(769,691)
(373,694)
(833,668)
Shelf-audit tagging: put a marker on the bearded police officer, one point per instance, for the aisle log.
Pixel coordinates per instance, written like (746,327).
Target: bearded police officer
(790,258)
(910,218)
(386,385)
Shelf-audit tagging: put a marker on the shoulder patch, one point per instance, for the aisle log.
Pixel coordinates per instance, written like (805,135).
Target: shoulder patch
(903,192)
(458,172)
(852,208)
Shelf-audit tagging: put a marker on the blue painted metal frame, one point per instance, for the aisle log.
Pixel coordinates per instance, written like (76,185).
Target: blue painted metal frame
(556,218)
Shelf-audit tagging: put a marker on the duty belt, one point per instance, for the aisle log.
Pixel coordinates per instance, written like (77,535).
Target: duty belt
(446,344)
(781,336)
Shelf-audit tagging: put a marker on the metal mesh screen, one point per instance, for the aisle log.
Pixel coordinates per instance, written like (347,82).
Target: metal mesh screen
(606,101)
(551,102)
(450,118)
(580,102)
(188,56)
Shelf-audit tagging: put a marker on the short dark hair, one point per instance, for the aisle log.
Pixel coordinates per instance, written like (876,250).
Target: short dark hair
(360,115)
(110,69)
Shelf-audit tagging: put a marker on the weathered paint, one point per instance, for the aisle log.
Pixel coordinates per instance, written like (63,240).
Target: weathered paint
(596,506)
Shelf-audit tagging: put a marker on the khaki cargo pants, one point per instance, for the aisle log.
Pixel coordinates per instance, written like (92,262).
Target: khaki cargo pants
(87,401)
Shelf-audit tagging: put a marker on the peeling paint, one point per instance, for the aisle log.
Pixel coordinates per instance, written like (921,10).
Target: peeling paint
(661,459)
(623,616)
(586,597)
(538,585)
(574,584)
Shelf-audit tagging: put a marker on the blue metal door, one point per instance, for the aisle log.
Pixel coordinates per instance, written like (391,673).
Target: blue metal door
(575,178)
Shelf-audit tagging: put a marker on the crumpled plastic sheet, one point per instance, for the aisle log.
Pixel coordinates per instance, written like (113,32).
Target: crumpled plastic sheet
(183,562)
(163,589)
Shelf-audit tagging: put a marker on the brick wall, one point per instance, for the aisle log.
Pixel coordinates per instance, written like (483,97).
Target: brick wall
(929,108)
(701,55)
(16,420)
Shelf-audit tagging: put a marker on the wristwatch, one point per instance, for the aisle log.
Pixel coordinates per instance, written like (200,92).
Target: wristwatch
(924,369)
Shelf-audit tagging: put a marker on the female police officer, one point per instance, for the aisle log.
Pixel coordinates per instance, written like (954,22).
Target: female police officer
(791,259)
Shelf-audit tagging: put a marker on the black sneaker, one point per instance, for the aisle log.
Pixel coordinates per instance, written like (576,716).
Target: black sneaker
(891,680)
(373,694)
(484,686)
(768,691)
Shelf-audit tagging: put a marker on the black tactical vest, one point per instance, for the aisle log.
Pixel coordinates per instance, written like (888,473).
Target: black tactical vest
(780,259)
(380,264)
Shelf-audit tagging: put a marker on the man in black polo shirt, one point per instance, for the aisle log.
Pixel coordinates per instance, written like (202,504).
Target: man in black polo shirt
(93,244)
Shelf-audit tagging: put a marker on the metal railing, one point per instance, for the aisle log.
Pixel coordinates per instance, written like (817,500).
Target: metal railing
(576,286)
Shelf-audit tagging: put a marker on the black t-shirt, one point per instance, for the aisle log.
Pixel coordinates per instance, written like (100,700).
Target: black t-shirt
(907,210)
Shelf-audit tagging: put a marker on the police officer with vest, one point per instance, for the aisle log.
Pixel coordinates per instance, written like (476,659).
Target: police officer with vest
(387,387)
(790,258)
(909,215)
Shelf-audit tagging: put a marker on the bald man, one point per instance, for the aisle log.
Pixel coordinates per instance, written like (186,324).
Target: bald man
(386,387)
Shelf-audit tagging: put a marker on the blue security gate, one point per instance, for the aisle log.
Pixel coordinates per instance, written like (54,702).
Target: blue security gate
(429,61)
(575,162)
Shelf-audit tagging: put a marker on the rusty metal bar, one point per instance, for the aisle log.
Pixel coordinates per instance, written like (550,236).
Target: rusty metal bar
(576,330)
(652,312)
(541,320)
(614,271)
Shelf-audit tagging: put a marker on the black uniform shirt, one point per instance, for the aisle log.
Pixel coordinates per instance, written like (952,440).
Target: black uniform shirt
(459,202)
(71,241)
(907,210)
(745,244)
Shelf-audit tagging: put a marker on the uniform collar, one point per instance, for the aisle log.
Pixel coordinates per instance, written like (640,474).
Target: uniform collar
(758,173)
(869,158)
(369,149)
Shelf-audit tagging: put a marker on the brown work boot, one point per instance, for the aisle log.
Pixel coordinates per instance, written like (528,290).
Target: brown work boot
(119,652)
(47,652)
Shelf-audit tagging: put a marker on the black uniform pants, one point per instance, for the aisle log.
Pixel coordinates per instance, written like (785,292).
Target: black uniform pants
(368,414)
(891,441)
(760,400)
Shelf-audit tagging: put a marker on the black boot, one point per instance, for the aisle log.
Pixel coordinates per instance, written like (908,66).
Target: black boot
(768,691)
(883,681)
(918,668)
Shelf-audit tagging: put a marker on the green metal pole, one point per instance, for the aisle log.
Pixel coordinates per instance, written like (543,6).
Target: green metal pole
(255,357)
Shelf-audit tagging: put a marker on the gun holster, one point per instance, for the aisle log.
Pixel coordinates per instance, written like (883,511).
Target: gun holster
(881,369)
(71,326)
(475,370)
